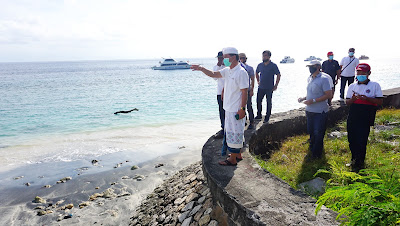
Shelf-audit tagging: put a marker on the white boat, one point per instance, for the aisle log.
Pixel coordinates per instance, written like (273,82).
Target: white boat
(312,58)
(171,64)
(363,57)
(287,60)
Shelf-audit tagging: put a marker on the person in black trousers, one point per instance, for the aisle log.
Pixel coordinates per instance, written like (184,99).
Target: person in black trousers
(363,97)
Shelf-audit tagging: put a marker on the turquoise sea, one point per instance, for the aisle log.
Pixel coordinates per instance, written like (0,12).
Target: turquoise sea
(63,111)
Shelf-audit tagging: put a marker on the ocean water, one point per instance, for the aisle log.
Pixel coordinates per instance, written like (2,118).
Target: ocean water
(63,111)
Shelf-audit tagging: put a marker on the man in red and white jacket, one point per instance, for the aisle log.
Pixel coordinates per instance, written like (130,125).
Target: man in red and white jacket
(363,97)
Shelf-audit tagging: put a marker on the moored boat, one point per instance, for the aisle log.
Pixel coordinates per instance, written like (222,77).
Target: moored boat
(286,60)
(171,64)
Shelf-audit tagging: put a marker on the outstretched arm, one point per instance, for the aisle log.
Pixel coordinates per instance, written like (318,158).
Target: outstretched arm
(212,74)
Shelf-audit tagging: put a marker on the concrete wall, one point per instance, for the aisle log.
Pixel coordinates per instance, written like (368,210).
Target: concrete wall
(268,138)
(252,196)
(392,98)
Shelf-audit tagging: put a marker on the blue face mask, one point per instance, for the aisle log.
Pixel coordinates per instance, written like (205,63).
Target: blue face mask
(330,57)
(361,78)
(226,62)
(351,53)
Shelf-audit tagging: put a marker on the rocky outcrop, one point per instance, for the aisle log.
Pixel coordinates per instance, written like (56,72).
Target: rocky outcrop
(184,199)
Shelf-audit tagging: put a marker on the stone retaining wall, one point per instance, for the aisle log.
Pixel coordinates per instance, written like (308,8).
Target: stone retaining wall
(252,196)
(282,125)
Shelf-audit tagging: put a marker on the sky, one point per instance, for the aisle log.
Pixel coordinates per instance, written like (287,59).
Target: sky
(63,30)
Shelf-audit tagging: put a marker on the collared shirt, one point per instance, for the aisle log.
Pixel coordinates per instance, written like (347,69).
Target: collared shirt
(331,67)
(369,89)
(316,88)
(220,81)
(235,80)
(267,75)
(329,78)
(350,70)
(250,73)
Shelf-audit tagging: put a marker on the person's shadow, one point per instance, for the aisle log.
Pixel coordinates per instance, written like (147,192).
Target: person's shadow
(310,167)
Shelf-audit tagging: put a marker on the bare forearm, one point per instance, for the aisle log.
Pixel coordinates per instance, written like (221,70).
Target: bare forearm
(244,98)
(212,74)
(278,79)
(377,101)
(338,72)
(252,83)
(324,97)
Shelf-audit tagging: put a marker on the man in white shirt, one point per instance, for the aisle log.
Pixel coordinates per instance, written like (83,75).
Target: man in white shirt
(220,86)
(363,97)
(348,66)
(235,100)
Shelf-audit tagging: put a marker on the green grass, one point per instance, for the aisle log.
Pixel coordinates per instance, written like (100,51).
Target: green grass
(289,163)
(370,197)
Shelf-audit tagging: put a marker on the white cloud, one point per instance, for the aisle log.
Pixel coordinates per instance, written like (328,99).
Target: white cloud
(118,29)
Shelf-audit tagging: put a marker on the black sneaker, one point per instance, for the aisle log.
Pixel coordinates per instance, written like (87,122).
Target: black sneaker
(250,126)
(258,117)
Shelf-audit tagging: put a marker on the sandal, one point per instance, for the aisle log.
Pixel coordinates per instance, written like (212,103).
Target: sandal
(226,163)
(237,159)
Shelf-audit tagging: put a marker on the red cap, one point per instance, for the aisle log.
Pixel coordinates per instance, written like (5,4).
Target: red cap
(330,53)
(363,67)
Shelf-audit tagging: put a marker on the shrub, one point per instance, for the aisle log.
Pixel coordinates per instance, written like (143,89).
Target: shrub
(371,197)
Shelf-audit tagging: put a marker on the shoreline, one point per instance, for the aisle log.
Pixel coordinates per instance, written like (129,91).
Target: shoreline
(122,189)
(142,142)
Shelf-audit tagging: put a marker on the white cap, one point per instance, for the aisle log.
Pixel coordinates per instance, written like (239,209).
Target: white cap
(314,62)
(230,50)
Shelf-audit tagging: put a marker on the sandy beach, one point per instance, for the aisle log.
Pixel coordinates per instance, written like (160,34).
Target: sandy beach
(119,191)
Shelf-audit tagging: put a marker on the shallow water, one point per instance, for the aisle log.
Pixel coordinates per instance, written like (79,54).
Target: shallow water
(63,111)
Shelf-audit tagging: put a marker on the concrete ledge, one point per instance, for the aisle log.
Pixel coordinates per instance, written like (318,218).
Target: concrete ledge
(392,98)
(251,195)
(267,138)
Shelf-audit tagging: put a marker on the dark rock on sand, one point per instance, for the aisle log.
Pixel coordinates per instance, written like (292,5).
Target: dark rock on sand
(134,167)
(63,180)
(158,165)
(39,200)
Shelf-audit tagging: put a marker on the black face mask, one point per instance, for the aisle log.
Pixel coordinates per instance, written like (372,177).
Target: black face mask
(265,61)
(312,69)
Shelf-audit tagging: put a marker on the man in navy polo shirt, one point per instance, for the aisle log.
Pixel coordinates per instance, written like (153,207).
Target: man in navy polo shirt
(332,68)
(265,75)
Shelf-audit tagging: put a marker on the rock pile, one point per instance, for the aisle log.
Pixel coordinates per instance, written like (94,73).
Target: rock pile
(184,200)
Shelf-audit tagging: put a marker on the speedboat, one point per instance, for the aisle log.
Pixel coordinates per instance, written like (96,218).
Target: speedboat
(363,57)
(286,60)
(312,58)
(171,64)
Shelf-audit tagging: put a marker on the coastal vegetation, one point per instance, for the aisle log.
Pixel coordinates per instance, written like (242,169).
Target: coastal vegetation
(369,197)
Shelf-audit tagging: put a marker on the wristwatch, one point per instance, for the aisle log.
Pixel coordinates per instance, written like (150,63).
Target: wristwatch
(243,108)
(314,101)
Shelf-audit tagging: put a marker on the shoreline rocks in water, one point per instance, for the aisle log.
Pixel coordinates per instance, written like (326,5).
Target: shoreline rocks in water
(184,199)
